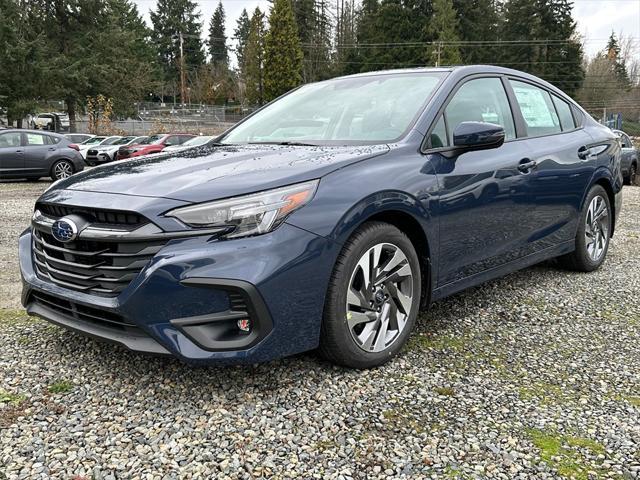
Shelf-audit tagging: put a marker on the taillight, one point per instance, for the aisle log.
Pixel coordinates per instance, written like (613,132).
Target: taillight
(74,146)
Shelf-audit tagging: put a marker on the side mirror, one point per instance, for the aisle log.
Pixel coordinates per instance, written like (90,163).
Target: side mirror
(470,136)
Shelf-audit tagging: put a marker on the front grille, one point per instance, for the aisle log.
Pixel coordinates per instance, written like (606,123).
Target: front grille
(92,152)
(108,217)
(91,266)
(83,313)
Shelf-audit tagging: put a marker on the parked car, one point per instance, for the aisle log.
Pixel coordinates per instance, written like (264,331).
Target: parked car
(193,142)
(326,219)
(153,144)
(109,153)
(78,138)
(629,158)
(33,154)
(95,142)
(53,122)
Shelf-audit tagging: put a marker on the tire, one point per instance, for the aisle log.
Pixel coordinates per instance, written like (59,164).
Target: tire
(588,256)
(62,169)
(633,174)
(375,325)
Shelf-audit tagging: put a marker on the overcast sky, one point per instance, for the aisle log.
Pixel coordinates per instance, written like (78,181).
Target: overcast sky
(596,18)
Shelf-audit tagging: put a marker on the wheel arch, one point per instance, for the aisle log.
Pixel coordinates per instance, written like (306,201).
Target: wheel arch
(406,213)
(408,225)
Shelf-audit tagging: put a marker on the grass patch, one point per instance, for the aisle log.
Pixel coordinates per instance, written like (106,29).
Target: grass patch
(11,398)
(547,393)
(445,391)
(60,386)
(633,400)
(403,419)
(563,453)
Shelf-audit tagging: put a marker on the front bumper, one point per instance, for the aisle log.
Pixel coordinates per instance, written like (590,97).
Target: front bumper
(100,158)
(186,302)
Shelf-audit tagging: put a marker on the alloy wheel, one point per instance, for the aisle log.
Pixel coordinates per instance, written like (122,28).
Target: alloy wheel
(62,170)
(597,228)
(379,298)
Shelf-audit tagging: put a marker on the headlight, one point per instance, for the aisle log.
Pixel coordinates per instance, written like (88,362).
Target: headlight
(250,214)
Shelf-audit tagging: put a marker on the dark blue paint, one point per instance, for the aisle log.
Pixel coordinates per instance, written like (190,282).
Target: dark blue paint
(481,214)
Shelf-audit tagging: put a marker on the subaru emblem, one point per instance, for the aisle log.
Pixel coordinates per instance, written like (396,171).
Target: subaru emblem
(64,230)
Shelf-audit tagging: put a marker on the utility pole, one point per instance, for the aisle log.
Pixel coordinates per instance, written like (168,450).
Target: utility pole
(182,78)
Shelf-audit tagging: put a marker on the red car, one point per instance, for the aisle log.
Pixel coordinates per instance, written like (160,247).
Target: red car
(153,144)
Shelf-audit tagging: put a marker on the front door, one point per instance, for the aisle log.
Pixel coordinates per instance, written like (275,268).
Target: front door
(483,201)
(11,154)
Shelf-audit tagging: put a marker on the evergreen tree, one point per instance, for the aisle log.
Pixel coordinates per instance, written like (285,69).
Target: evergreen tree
(92,51)
(282,52)
(550,46)
(478,21)
(391,34)
(171,19)
(254,60)
(217,39)
(22,57)
(242,35)
(443,28)
(314,30)
(617,66)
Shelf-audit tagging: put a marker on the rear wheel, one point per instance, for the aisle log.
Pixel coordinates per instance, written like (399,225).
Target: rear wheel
(633,174)
(61,169)
(373,298)
(594,232)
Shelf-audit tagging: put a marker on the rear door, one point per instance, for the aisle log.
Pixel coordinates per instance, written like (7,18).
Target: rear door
(561,160)
(482,202)
(11,154)
(37,152)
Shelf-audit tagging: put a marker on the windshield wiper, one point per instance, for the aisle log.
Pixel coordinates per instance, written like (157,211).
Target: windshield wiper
(293,144)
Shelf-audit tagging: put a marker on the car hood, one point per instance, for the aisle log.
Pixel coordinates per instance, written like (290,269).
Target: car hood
(209,172)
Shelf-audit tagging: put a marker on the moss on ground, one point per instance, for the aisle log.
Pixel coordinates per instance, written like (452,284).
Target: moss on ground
(565,453)
(12,317)
(60,386)
(11,398)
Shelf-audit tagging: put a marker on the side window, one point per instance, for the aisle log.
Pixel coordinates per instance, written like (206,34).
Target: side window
(537,109)
(564,113)
(438,137)
(35,139)
(626,141)
(10,140)
(481,100)
(172,140)
(53,140)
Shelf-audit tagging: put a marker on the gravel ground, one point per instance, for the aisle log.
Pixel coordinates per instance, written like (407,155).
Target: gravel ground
(536,375)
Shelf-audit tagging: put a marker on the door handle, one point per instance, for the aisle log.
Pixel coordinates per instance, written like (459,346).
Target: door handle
(19,151)
(527,164)
(583,152)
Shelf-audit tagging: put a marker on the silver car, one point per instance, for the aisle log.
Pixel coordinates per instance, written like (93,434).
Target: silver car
(629,161)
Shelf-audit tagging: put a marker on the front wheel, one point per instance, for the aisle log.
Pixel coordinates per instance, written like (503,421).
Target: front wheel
(373,298)
(61,169)
(594,232)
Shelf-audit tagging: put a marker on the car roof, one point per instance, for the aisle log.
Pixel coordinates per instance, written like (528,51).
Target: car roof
(458,71)
(41,132)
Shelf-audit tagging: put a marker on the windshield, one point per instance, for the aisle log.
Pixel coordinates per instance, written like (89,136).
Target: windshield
(152,139)
(369,109)
(197,141)
(111,141)
(93,140)
(123,140)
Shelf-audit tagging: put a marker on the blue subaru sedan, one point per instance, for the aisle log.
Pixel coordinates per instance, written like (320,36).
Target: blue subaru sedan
(327,219)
